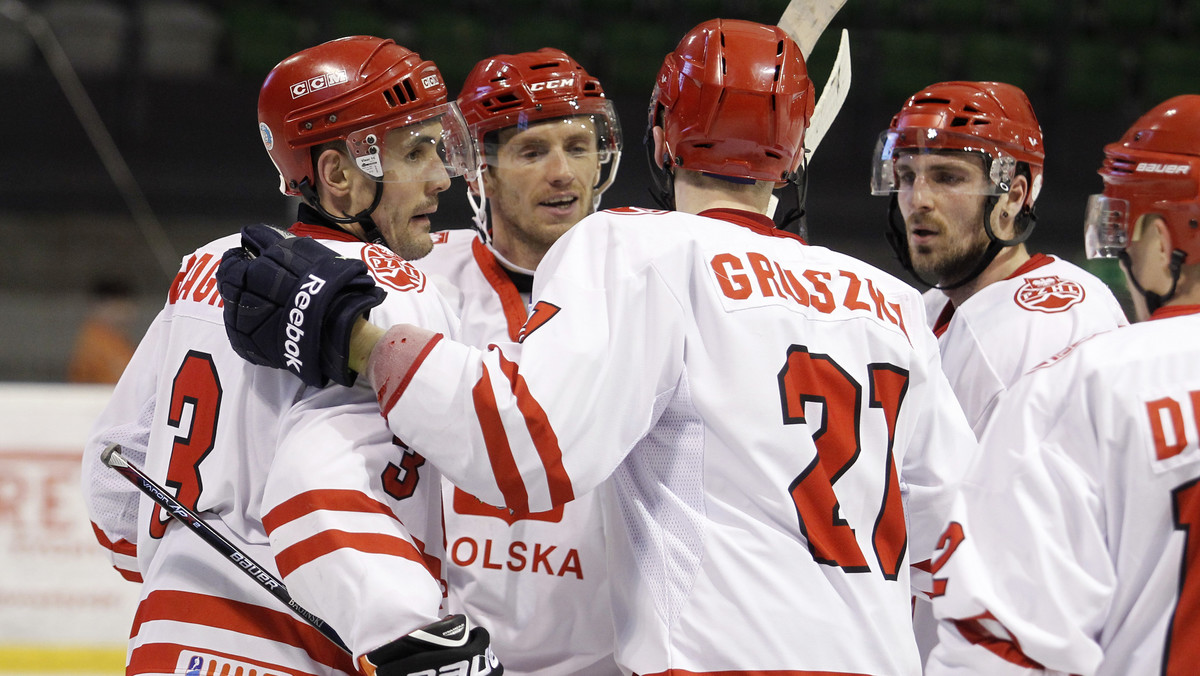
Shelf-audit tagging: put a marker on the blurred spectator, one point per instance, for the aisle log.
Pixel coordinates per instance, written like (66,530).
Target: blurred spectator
(104,345)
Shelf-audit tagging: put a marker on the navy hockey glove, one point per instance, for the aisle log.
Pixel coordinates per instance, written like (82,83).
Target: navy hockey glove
(448,646)
(290,303)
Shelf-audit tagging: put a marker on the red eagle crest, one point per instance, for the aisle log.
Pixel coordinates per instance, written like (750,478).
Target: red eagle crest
(1048,294)
(391,269)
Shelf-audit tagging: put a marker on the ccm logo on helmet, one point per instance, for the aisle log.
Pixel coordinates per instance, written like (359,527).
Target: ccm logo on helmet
(1154,168)
(552,84)
(293,331)
(429,81)
(318,83)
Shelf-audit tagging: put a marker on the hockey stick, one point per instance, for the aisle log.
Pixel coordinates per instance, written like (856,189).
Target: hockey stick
(805,21)
(113,458)
(837,87)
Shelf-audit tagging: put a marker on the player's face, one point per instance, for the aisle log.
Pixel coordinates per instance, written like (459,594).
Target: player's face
(539,183)
(413,177)
(941,197)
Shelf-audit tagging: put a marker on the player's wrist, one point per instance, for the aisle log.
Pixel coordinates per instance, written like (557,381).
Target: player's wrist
(364,336)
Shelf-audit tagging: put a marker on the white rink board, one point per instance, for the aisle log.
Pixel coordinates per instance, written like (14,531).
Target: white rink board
(62,605)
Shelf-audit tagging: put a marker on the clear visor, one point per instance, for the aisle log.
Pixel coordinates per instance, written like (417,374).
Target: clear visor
(1106,226)
(588,140)
(429,146)
(941,160)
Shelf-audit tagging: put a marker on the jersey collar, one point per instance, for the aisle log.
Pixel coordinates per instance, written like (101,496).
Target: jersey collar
(1035,261)
(1168,311)
(310,223)
(750,219)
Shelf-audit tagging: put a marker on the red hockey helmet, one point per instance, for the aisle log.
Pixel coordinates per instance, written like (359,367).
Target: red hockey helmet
(516,90)
(734,99)
(1153,169)
(992,118)
(355,89)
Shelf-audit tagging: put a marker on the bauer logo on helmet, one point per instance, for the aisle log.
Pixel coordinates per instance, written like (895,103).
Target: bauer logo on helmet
(1155,168)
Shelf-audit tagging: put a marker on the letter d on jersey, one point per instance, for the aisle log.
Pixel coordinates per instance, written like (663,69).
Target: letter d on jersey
(293,332)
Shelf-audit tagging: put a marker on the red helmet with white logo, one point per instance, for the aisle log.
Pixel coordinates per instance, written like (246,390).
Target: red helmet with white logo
(992,118)
(1153,169)
(515,90)
(734,99)
(510,91)
(354,89)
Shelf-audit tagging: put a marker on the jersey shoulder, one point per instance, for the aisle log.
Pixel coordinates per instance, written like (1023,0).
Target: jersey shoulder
(452,251)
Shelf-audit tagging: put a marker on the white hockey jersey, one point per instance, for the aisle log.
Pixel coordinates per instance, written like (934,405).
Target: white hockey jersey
(1004,330)
(536,581)
(306,481)
(1010,326)
(767,424)
(1070,548)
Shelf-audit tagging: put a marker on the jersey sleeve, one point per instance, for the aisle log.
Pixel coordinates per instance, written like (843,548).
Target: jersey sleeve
(941,448)
(112,501)
(354,520)
(1025,573)
(602,345)
(353,517)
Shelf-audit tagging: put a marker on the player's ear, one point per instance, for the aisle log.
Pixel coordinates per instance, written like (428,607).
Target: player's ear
(489,182)
(333,171)
(1009,207)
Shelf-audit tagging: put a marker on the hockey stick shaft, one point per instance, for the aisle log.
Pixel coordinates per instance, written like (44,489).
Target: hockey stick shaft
(180,512)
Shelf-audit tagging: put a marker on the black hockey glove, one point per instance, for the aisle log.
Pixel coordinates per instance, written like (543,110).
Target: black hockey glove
(290,303)
(448,646)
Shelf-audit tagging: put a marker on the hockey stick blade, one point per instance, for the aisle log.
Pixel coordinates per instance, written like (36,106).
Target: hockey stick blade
(111,456)
(833,97)
(805,20)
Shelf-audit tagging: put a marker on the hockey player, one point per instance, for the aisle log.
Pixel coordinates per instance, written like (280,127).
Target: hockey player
(306,481)
(766,421)
(963,164)
(1070,549)
(546,132)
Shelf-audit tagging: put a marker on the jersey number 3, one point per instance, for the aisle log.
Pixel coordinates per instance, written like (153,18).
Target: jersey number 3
(195,402)
(809,378)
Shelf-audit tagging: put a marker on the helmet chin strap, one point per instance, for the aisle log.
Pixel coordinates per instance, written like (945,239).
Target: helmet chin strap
(897,237)
(1154,301)
(371,231)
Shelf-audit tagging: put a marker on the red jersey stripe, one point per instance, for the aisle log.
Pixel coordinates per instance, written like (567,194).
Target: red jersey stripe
(311,501)
(1009,651)
(388,396)
(544,438)
(124,547)
(328,541)
(230,615)
(500,455)
(510,299)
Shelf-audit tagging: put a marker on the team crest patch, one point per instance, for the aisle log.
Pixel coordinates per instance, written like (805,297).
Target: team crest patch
(1048,294)
(392,270)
